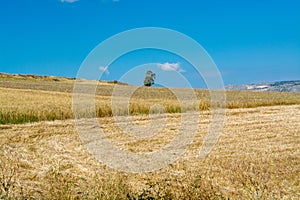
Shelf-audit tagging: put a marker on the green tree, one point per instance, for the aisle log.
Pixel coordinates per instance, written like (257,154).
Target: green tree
(149,79)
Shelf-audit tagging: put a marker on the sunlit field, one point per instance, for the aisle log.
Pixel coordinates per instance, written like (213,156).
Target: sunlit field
(33,98)
(42,157)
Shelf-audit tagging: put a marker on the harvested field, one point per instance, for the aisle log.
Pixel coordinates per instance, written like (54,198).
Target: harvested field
(257,157)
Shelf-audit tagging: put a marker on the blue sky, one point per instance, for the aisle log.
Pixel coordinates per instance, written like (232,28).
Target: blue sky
(250,41)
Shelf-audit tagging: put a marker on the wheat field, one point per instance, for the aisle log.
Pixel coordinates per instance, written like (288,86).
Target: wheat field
(30,98)
(256,157)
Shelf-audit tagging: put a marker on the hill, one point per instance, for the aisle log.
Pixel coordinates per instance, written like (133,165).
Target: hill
(278,86)
(29,98)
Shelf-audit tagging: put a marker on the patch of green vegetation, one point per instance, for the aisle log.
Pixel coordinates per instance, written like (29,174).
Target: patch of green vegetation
(13,117)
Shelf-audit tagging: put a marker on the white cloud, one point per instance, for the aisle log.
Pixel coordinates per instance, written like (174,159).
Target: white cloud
(104,69)
(68,1)
(170,67)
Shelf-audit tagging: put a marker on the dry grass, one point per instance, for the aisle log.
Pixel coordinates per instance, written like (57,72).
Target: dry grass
(257,157)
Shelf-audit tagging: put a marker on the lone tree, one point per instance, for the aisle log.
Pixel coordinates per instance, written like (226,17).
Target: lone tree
(149,79)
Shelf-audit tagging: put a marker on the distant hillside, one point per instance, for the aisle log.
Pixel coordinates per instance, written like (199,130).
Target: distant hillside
(33,77)
(278,86)
(4,76)
(31,98)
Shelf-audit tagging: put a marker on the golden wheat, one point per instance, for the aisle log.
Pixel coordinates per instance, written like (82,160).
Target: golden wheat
(30,105)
